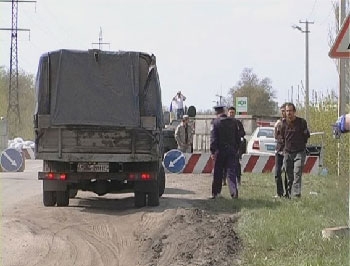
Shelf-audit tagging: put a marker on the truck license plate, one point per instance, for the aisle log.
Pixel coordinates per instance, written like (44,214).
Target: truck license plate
(87,167)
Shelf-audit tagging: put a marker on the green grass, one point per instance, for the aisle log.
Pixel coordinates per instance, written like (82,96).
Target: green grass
(288,232)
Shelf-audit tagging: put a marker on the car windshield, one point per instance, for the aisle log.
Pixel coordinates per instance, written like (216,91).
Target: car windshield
(265,132)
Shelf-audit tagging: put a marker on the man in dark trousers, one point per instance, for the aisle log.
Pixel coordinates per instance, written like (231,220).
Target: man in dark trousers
(295,135)
(279,154)
(241,132)
(224,143)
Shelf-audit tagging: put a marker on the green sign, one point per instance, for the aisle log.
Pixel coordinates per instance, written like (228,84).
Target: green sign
(241,104)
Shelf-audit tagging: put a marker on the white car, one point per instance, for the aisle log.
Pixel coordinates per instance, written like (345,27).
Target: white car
(262,141)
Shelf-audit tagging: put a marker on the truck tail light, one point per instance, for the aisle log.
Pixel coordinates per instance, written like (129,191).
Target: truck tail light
(145,176)
(140,176)
(132,176)
(50,175)
(256,145)
(55,176)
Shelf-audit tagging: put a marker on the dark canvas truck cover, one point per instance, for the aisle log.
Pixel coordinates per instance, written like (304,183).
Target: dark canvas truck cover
(96,88)
(97,107)
(80,91)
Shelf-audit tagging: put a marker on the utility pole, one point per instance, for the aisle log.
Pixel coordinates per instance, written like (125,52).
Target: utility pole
(306,31)
(220,97)
(342,66)
(13,113)
(100,40)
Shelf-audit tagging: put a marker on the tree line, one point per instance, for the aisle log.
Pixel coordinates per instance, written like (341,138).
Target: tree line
(26,100)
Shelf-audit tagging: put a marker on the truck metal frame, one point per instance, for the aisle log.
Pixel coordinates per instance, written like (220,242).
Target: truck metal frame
(99,153)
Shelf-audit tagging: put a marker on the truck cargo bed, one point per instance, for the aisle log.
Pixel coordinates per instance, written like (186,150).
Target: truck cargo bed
(97,144)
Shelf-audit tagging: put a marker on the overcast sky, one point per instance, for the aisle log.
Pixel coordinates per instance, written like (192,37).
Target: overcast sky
(201,46)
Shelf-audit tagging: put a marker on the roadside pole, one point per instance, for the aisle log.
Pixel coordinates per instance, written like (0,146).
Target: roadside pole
(341,51)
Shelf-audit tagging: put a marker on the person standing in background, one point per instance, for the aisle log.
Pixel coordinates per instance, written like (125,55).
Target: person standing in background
(184,135)
(241,132)
(224,143)
(178,99)
(295,135)
(279,154)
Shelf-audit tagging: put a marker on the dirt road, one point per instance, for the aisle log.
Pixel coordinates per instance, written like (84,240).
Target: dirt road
(109,231)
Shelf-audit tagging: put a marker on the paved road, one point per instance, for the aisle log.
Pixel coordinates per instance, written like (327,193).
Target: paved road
(17,186)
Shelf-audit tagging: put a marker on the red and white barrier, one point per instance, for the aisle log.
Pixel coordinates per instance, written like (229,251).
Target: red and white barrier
(28,153)
(266,164)
(198,163)
(201,163)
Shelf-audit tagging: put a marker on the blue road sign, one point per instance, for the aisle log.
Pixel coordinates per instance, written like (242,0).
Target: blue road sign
(174,161)
(11,160)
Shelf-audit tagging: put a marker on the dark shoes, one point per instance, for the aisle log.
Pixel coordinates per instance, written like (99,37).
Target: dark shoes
(224,182)
(217,196)
(235,195)
(286,195)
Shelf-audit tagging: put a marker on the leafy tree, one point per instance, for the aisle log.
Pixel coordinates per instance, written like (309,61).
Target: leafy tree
(259,92)
(3,91)
(26,95)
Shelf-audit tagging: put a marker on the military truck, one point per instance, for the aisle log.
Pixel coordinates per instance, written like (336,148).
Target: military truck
(98,125)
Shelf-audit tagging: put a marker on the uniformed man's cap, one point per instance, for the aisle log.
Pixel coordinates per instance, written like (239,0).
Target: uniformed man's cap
(219,107)
(185,117)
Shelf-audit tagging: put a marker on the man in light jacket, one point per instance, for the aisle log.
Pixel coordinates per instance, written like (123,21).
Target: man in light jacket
(184,135)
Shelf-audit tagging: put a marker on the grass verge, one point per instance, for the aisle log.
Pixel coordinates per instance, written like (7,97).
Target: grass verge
(288,232)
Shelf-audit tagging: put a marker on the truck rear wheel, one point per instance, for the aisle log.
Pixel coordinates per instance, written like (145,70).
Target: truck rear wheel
(161,181)
(62,198)
(49,198)
(72,193)
(153,199)
(140,199)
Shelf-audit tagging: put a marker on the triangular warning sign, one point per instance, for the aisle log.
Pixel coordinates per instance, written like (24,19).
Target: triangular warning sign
(341,46)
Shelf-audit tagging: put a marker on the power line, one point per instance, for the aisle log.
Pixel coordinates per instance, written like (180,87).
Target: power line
(13,112)
(100,41)
(313,8)
(306,31)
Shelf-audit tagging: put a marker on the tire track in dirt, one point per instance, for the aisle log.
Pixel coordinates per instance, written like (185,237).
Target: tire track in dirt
(104,231)
(67,236)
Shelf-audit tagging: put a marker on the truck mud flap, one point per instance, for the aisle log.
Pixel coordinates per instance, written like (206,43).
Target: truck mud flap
(146,186)
(54,185)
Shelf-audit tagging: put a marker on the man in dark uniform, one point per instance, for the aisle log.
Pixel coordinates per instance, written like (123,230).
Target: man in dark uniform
(224,143)
(241,132)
